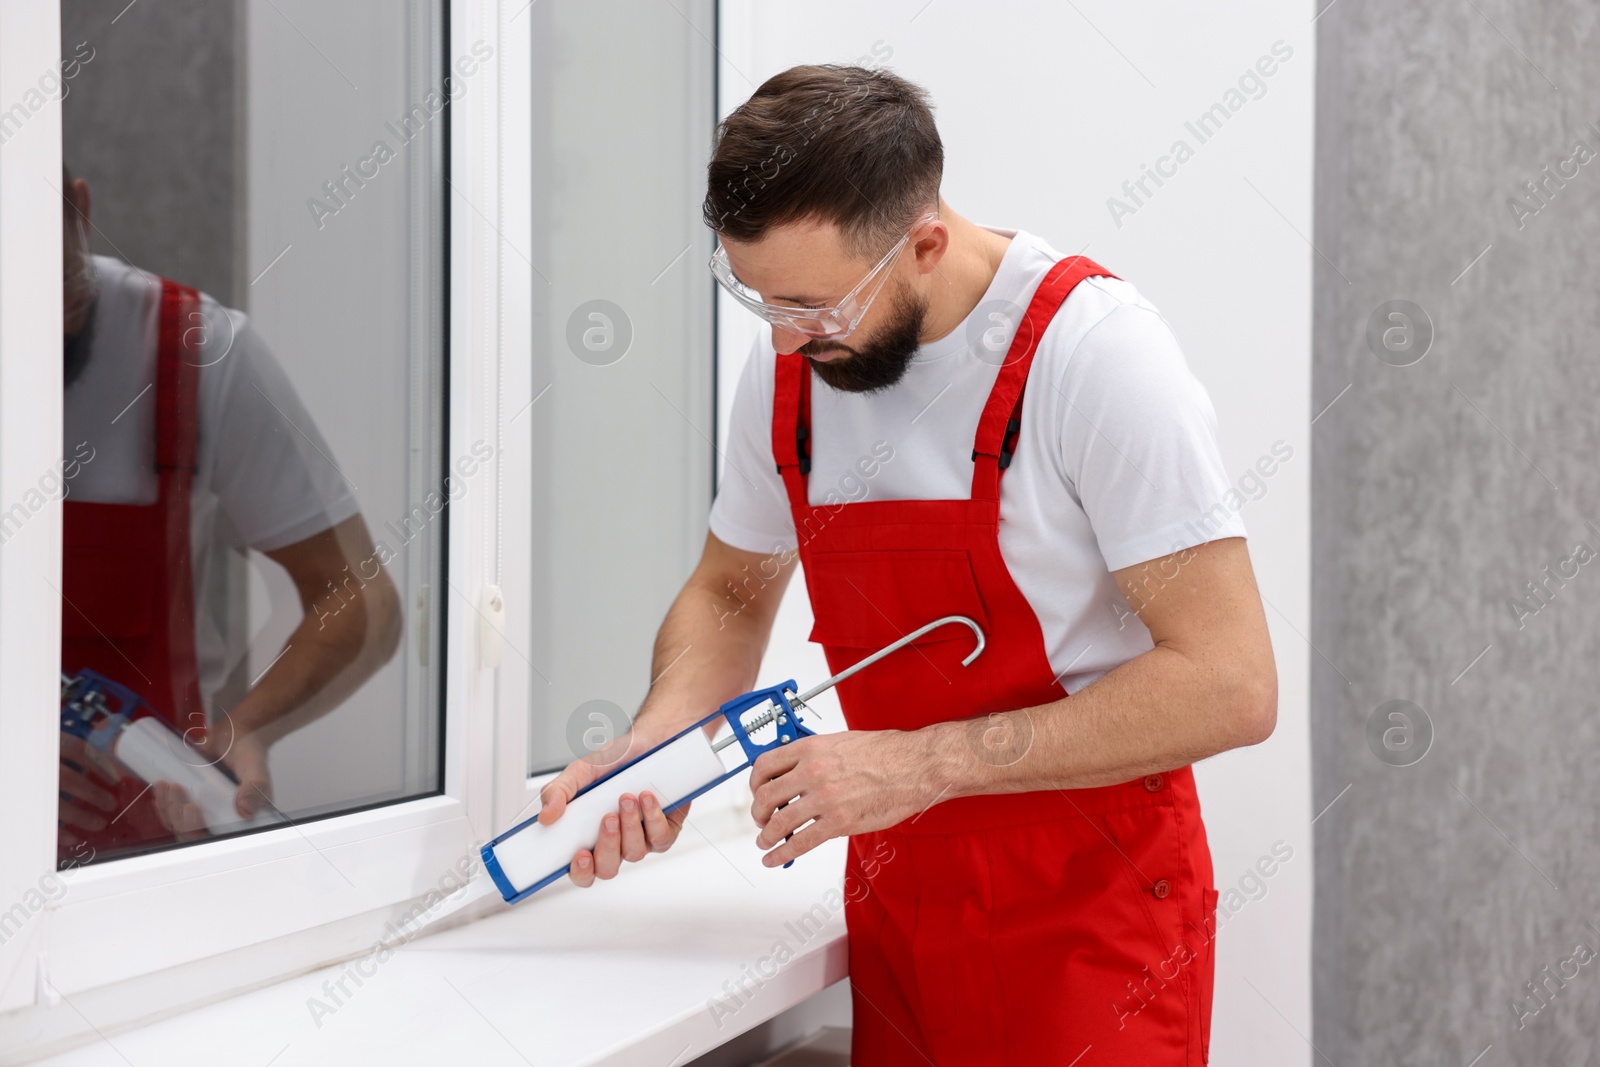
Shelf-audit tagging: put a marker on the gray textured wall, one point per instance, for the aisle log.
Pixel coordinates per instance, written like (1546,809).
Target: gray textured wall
(1439,490)
(150,122)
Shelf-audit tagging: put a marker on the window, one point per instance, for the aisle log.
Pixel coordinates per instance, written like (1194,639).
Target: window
(407,329)
(343,185)
(256,494)
(622,306)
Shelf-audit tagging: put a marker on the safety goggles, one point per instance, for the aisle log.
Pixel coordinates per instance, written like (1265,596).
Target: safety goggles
(834,323)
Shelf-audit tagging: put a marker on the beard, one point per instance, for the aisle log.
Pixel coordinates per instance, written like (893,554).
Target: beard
(75,348)
(880,361)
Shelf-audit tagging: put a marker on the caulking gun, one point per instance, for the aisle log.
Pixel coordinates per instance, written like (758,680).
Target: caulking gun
(530,856)
(119,722)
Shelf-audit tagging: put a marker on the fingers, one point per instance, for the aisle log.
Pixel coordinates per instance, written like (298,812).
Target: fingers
(582,873)
(622,838)
(84,791)
(248,761)
(562,788)
(786,820)
(254,794)
(177,813)
(249,800)
(90,757)
(634,847)
(608,848)
(71,814)
(779,761)
(798,845)
(776,792)
(84,803)
(661,828)
(638,828)
(168,798)
(553,796)
(191,823)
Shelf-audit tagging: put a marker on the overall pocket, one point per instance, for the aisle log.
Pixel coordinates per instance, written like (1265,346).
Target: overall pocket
(865,600)
(1147,845)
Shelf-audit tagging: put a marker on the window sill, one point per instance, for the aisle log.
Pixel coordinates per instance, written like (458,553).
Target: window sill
(679,955)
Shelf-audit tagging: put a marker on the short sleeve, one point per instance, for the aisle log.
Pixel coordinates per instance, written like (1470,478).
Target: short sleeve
(751,511)
(1139,442)
(273,473)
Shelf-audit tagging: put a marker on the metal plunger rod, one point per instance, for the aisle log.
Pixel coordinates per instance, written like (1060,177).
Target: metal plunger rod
(749,728)
(772,713)
(903,642)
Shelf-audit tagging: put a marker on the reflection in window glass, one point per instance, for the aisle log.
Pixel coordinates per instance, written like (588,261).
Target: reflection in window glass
(255,510)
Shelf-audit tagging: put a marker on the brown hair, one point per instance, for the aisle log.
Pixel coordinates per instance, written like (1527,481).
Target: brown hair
(849,145)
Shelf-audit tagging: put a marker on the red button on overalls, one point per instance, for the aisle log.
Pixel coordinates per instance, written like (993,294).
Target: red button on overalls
(1009,929)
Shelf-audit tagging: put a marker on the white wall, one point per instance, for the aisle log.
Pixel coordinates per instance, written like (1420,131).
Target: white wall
(1046,109)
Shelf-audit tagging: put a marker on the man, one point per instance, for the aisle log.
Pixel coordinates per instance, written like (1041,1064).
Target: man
(1038,883)
(179,419)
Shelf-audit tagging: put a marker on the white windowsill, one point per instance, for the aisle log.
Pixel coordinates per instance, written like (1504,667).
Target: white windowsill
(621,974)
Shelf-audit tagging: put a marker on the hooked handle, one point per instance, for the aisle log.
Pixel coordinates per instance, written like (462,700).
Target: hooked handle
(977,632)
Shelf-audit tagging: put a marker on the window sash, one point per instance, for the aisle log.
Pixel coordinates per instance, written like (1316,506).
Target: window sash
(30,441)
(346,875)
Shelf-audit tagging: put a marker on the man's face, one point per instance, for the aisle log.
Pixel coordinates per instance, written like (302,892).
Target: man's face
(79,287)
(876,358)
(806,264)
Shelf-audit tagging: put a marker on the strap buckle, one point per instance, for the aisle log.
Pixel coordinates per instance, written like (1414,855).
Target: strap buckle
(1008,443)
(801,435)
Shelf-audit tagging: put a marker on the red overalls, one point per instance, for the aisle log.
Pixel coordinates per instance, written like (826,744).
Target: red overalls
(127,603)
(1050,928)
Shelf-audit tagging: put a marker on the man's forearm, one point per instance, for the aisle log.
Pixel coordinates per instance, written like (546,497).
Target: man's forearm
(1160,710)
(328,657)
(708,651)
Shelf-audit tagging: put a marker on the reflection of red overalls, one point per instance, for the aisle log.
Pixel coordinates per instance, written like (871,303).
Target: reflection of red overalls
(1046,928)
(127,604)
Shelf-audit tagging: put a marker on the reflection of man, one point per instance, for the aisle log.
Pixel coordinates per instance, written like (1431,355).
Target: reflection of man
(193,422)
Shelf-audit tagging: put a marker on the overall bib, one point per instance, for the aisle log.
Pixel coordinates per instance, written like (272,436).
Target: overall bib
(127,603)
(1049,928)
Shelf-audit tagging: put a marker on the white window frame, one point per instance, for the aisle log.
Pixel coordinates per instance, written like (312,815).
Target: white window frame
(287,899)
(598,232)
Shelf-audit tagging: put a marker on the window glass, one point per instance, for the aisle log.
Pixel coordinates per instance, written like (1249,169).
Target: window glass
(254,475)
(623,356)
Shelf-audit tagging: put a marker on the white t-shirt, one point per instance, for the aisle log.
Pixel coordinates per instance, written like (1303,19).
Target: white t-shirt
(1117,461)
(261,462)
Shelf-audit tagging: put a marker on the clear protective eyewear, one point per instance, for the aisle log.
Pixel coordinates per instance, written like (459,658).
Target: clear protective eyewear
(834,323)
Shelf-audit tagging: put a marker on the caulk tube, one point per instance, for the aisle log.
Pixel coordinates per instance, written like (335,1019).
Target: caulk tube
(153,752)
(530,856)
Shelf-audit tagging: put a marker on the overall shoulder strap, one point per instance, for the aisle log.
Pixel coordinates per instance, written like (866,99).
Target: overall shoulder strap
(178,377)
(1002,414)
(791,425)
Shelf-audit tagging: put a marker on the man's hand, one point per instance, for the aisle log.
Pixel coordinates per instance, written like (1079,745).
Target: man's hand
(841,783)
(93,806)
(707,651)
(638,828)
(243,754)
